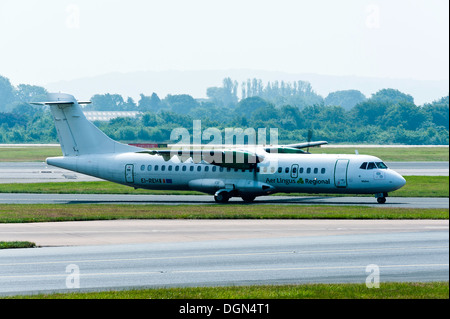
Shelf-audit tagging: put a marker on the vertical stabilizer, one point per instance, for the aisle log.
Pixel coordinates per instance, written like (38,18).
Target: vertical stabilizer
(76,134)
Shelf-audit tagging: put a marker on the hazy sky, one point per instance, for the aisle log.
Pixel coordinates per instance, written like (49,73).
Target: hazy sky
(51,40)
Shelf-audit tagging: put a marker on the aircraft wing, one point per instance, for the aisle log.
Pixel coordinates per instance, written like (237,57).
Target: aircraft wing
(60,103)
(240,159)
(306,144)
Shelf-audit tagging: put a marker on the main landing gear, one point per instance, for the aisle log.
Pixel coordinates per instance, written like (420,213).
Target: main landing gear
(223,196)
(381,197)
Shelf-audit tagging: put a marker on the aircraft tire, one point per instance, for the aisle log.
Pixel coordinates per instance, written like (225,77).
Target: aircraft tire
(381,200)
(221,197)
(248,198)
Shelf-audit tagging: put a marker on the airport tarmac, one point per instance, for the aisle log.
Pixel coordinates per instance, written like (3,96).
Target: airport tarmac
(162,253)
(40,172)
(370,201)
(234,252)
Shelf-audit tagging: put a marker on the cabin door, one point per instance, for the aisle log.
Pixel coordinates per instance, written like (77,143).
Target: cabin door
(129,173)
(340,173)
(294,171)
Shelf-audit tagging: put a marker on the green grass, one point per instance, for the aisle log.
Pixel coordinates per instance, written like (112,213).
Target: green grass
(28,213)
(28,154)
(16,244)
(84,188)
(424,186)
(432,290)
(416,186)
(393,154)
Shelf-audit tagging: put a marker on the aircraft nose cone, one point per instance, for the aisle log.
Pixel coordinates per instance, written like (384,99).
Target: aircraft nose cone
(398,180)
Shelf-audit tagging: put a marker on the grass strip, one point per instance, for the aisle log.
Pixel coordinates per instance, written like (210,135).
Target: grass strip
(429,290)
(28,153)
(16,244)
(28,213)
(392,154)
(416,186)
(387,154)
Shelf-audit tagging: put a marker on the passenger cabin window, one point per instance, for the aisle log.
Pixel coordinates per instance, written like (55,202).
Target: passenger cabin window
(184,168)
(323,170)
(308,170)
(294,170)
(316,170)
(169,168)
(156,167)
(206,168)
(191,168)
(199,168)
(286,170)
(280,169)
(177,168)
(301,170)
(363,165)
(163,167)
(149,168)
(142,167)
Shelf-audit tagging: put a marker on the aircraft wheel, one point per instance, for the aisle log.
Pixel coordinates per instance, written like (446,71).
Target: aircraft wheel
(221,197)
(248,198)
(381,200)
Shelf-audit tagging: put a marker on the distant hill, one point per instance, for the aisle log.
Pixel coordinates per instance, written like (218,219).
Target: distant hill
(195,83)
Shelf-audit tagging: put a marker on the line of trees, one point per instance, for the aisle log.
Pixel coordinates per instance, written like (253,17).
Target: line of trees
(387,117)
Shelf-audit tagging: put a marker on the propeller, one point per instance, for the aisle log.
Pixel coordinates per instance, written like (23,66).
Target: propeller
(310,134)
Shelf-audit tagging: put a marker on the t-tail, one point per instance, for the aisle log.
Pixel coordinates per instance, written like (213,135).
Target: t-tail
(76,134)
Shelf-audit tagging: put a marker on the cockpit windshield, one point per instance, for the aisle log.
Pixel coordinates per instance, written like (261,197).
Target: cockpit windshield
(381,165)
(373,165)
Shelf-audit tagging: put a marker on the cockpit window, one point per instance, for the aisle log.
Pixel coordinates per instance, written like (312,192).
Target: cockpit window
(381,165)
(371,166)
(363,165)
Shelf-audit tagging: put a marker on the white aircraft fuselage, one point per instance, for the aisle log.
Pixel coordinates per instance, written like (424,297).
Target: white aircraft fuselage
(87,150)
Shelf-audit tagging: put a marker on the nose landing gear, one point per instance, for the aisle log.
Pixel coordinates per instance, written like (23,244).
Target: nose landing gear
(381,197)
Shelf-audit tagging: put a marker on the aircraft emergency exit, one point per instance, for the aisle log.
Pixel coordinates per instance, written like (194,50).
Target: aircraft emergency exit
(225,172)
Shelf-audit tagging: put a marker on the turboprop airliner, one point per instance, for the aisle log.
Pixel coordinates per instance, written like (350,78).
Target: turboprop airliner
(226,172)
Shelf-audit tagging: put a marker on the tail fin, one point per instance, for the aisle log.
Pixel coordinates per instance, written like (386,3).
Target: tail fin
(76,134)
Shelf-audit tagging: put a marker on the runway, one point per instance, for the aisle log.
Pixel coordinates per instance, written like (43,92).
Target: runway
(398,202)
(350,251)
(40,172)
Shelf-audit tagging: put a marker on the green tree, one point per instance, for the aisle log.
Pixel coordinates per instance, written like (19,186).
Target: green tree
(291,118)
(439,111)
(405,114)
(391,96)
(181,103)
(30,93)
(346,98)
(6,94)
(247,106)
(107,102)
